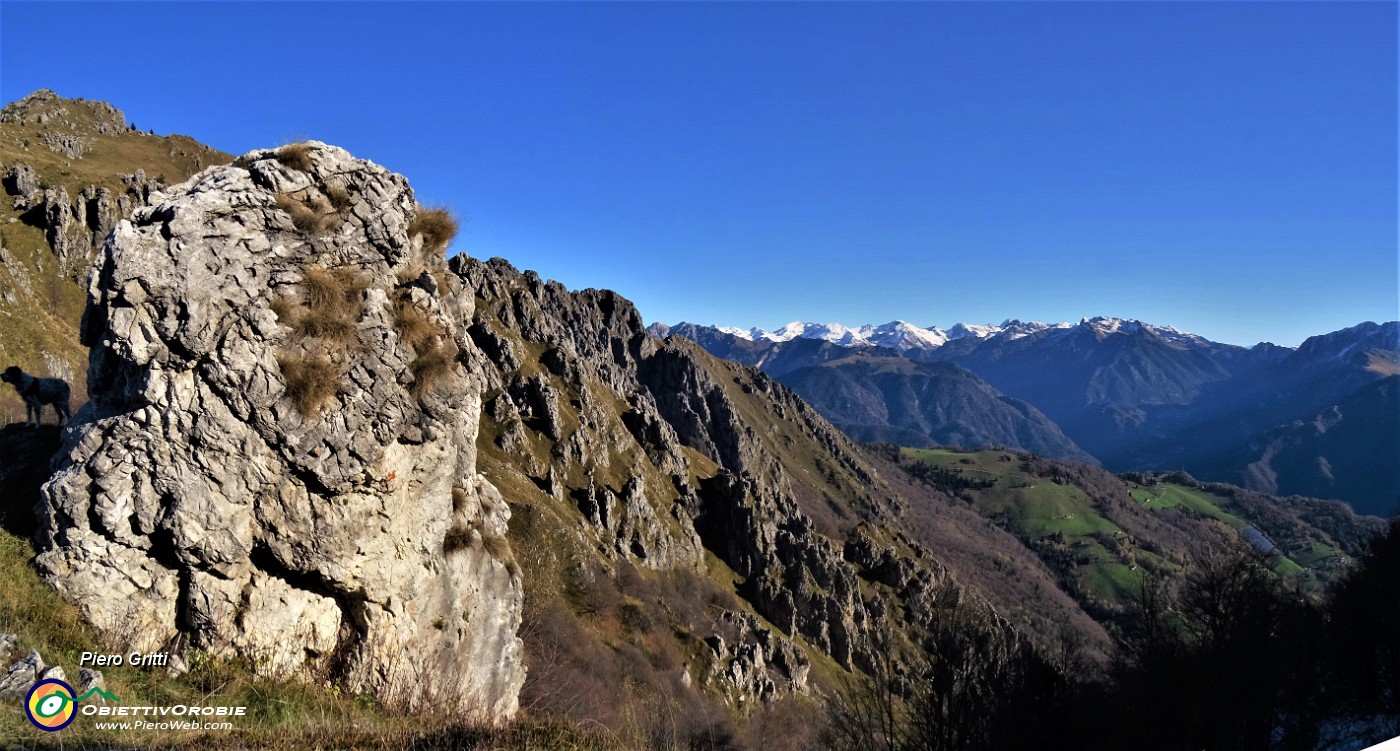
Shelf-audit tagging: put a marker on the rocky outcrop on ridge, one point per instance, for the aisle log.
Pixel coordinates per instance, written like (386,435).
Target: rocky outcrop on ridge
(669,455)
(278,462)
(69,170)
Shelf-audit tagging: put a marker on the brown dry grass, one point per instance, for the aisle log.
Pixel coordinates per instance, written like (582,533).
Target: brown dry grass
(458,537)
(339,197)
(296,155)
(285,309)
(312,380)
(414,327)
(314,218)
(459,498)
(436,225)
(431,367)
(334,303)
(498,546)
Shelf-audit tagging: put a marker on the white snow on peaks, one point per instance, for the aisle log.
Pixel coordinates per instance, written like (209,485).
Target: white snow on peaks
(895,334)
(732,331)
(974,330)
(1174,335)
(831,332)
(1014,329)
(1106,326)
(904,336)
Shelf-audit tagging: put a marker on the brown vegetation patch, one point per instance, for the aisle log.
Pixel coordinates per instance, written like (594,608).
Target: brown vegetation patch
(334,301)
(296,155)
(285,309)
(498,546)
(415,327)
(326,312)
(431,367)
(339,198)
(458,537)
(312,218)
(312,380)
(436,225)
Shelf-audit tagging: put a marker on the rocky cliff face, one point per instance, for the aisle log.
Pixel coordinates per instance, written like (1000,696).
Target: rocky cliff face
(278,461)
(657,455)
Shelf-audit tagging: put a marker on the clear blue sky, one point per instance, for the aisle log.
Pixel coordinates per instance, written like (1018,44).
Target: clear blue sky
(1227,168)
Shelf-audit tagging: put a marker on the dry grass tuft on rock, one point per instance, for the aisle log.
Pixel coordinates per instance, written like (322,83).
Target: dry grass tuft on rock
(459,498)
(334,302)
(458,537)
(430,367)
(414,327)
(296,155)
(498,546)
(436,225)
(312,380)
(285,309)
(314,218)
(339,198)
(324,314)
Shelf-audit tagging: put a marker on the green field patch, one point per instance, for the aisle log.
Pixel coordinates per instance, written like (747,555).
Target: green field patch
(1314,553)
(1112,582)
(1048,508)
(940,456)
(1285,567)
(1177,496)
(1032,506)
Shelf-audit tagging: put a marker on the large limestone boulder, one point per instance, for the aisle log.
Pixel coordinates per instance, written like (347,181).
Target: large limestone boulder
(278,461)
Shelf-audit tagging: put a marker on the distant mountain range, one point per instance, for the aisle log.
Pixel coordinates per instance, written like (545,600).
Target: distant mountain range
(903,336)
(1321,419)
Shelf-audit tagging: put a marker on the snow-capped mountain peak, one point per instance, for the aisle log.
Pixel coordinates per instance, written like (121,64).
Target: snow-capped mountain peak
(905,336)
(974,330)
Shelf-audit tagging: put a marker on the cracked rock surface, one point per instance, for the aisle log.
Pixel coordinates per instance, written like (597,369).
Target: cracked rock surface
(199,497)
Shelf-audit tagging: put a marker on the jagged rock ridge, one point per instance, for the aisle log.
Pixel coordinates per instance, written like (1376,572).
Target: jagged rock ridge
(201,494)
(663,453)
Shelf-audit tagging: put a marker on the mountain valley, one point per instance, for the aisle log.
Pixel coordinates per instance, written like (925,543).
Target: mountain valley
(1128,395)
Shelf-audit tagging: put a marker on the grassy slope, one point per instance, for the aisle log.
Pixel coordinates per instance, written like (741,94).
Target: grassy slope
(1107,560)
(44,318)
(1040,509)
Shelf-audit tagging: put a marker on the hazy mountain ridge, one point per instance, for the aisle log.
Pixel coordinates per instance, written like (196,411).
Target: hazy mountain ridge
(882,398)
(1140,396)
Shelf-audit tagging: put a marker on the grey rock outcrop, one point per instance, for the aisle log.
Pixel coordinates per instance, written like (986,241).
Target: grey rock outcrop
(63,229)
(20,676)
(752,663)
(20,181)
(271,464)
(44,107)
(100,212)
(89,679)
